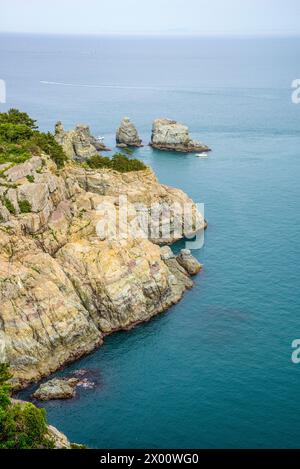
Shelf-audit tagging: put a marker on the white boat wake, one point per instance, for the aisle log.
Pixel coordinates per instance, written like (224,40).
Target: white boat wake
(85,85)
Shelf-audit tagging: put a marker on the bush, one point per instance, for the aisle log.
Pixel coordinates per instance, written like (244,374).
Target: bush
(48,144)
(14,133)
(14,116)
(22,426)
(20,139)
(9,205)
(118,162)
(25,206)
(13,153)
(98,161)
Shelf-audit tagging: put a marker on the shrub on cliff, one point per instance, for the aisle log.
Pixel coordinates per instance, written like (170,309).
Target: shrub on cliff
(48,144)
(25,206)
(118,162)
(22,426)
(20,139)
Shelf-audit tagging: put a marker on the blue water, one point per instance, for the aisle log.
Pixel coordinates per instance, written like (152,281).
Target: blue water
(215,371)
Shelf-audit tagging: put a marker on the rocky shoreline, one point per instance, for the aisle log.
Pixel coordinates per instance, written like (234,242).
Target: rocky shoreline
(63,285)
(62,289)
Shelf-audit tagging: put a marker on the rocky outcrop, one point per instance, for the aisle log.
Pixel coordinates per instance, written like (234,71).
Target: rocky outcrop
(60,441)
(63,287)
(169,135)
(56,389)
(127,135)
(78,144)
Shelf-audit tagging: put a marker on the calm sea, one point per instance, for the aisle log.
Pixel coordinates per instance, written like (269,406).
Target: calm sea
(215,371)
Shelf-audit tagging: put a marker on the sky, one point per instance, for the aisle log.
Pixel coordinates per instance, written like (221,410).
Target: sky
(207,17)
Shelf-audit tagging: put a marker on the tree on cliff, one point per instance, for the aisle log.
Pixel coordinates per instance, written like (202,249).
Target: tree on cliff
(20,139)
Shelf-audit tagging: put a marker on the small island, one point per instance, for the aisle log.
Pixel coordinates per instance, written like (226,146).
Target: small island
(170,135)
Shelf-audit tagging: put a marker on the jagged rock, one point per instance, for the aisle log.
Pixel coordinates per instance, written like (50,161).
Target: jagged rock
(189,262)
(169,135)
(78,143)
(166,253)
(56,389)
(25,169)
(127,135)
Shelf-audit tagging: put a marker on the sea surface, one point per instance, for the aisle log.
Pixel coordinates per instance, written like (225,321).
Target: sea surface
(215,371)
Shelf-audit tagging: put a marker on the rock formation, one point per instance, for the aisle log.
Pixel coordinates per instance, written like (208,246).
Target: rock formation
(63,287)
(188,262)
(169,135)
(78,143)
(56,389)
(127,135)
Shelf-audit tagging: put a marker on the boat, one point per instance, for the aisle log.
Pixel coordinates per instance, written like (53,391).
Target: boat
(202,155)
(100,139)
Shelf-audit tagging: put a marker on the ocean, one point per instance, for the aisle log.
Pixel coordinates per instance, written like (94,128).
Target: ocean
(215,371)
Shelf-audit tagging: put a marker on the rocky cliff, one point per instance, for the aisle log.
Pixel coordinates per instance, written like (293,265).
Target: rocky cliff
(78,143)
(62,287)
(169,135)
(127,135)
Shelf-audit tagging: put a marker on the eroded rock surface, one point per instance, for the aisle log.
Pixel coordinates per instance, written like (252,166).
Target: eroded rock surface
(127,135)
(78,143)
(170,135)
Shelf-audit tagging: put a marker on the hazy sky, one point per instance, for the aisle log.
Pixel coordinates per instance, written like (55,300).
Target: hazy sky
(151,16)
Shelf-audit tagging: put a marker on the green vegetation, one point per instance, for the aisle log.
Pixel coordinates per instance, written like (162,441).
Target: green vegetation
(128,151)
(22,425)
(14,116)
(30,178)
(20,139)
(118,162)
(25,206)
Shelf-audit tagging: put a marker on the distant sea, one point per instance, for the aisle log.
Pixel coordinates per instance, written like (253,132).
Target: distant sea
(216,370)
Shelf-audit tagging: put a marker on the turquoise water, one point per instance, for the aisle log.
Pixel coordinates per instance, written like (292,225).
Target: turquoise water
(215,371)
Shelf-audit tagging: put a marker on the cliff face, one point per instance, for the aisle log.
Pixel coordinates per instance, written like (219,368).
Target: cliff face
(62,287)
(170,135)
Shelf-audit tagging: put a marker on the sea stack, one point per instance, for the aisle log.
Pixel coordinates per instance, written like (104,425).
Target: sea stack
(127,135)
(170,135)
(78,143)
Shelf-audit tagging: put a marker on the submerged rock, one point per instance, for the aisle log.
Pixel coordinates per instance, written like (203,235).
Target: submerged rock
(127,135)
(189,262)
(170,135)
(56,389)
(78,143)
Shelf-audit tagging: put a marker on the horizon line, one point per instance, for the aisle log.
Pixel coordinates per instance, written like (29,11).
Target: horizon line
(221,34)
